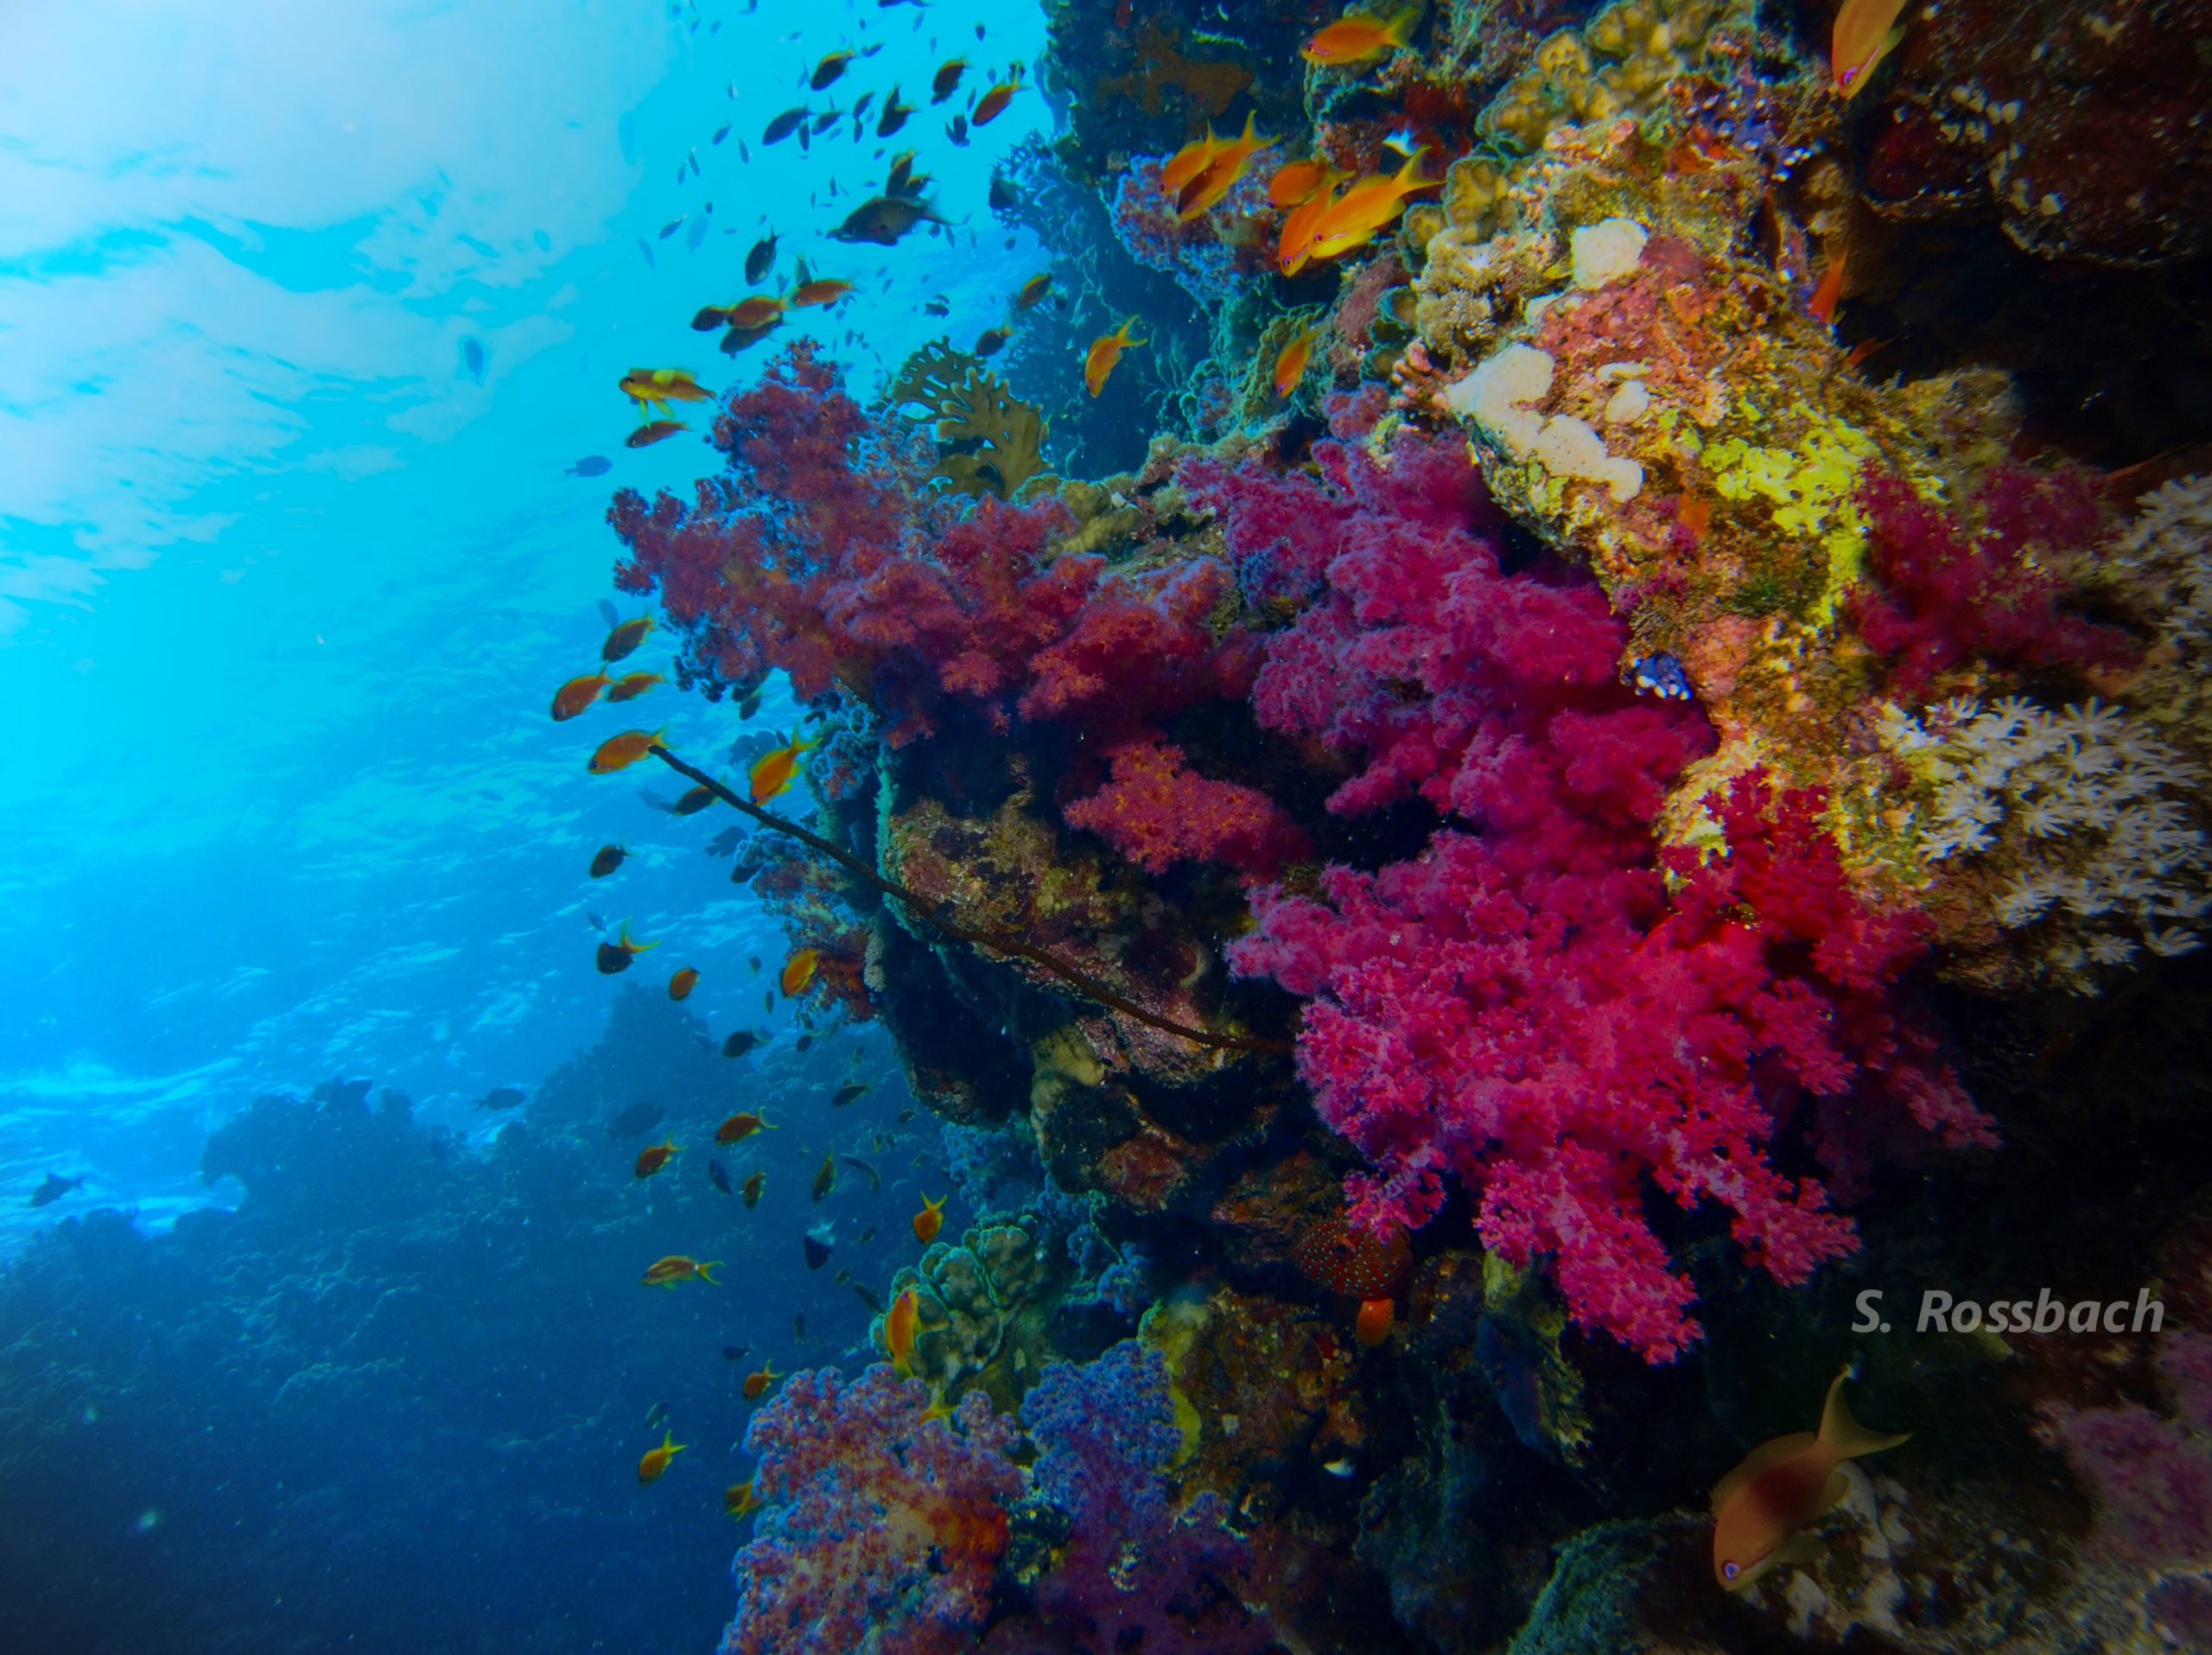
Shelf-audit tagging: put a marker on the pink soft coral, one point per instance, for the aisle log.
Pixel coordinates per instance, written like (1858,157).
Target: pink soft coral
(1157,813)
(1528,1009)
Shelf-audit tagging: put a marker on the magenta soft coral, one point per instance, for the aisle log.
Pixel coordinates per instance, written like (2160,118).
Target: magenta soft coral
(1976,582)
(820,553)
(882,1530)
(1529,1009)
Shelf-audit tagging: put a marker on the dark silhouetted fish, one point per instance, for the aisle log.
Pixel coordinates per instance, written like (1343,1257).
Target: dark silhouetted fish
(672,225)
(784,124)
(636,1121)
(762,258)
(719,1177)
(736,1352)
(502,1098)
(817,1244)
(825,1177)
(883,219)
(846,1093)
(606,860)
(894,114)
(656,1416)
(740,1043)
(696,237)
(646,248)
(875,1178)
(55,1187)
(592,465)
(472,358)
(866,1298)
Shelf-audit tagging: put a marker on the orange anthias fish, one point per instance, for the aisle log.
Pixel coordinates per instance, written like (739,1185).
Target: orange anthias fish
(577,694)
(651,1159)
(1290,361)
(899,1325)
(1359,38)
(1372,1325)
(693,800)
(1821,306)
(1354,218)
(756,1384)
(1295,246)
(658,387)
(1300,181)
(1221,172)
(772,772)
(737,1499)
(930,1219)
(826,290)
(1105,351)
(625,639)
(1033,291)
(620,752)
(630,686)
(667,1272)
(755,315)
(655,1460)
(658,431)
(751,1188)
(680,985)
(739,1127)
(1189,162)
(799,971)
(993,103)
(1761,1509)
(1865,32)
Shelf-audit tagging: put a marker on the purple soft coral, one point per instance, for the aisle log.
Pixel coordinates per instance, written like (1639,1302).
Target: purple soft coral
(882,1530)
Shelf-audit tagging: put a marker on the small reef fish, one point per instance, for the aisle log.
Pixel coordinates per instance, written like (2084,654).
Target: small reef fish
(630,686)
(592,465)
(1865,32)
(772,773)
(956,130)
(760,257)
(1353,218)
(472,357)
(1295,247)
(681,984)
(894,114)
(868,1235)
(1359,38)
(906,1115)
(1372,1325)
(741,1126)
(656,1416)
(502,1098)
(1033,291)
(667,1272)
(784,124)
(993,103)
(718,1176)
(946,80)
(1105,351)
(798,1326)
(692,800)
(654,1157)
(901,173)
(737,1499)
(825,1178)
(797,974)
(624,640)
(803,1042)
(866,1298)
(1761,1509)
(1829,293)
(900,1323)
(658,387)
(749,705)
(1189,162)
(992,340)
(577,694)
(883,219)
(640,1117)
(620,752)
(757,1382)
(655,1460)
(827,71)
(616,956)
(930,1219)
(738,1044)
(657,430)
(755,315)
(1291,360)
(867,1171)
(846,1093)
(1221,174)
(55,1187)
(1298,181)
(750,1189)
(736,1352)
(828,291)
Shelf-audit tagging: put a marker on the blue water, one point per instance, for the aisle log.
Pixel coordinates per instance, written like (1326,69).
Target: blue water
(285,587)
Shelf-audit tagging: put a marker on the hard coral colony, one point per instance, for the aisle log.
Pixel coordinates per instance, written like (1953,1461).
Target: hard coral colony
(1530,805)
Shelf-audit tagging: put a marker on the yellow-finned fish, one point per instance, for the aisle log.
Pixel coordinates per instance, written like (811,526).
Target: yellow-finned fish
(1359,38)
(1189,162)
(1353,218)
(620,752)
(655,1460)
(658,387)
(930,1219)
(797,975)
(1761,1509)
(667,1272)
(900,1323)
(1105,351)
(1290,361)
(1865,32)
(1221,172)
(772,772)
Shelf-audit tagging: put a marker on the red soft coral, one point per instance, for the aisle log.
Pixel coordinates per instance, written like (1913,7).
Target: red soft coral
(1157,813)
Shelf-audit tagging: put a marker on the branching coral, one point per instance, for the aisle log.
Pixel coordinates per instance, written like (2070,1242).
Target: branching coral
(988,442)
(2090,818)
(882,1530)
